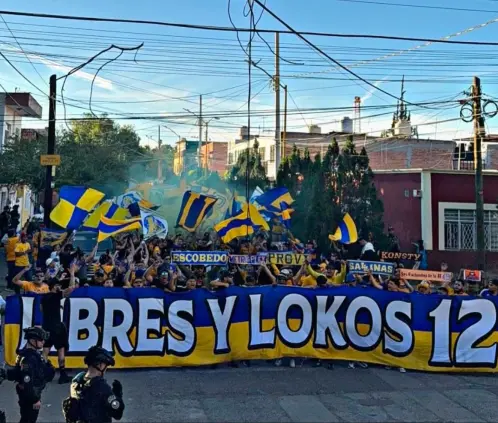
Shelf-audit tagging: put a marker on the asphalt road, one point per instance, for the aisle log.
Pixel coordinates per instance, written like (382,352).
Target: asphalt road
(267,394)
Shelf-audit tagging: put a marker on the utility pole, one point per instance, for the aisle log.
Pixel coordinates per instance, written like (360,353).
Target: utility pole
(159,171)
(277,101)
(284,139)
(47,204)
(200,133)
(206,158)
(479,133)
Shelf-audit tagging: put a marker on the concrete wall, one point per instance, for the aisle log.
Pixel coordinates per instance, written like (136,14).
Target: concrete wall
(401,209)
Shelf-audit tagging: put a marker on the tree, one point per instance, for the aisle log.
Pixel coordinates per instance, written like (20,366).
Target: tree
(249,167)
(328,187)
(97,153)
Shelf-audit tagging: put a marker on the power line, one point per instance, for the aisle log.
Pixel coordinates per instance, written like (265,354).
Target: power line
(229,29)
(20,46)
(420,6)
(319,50)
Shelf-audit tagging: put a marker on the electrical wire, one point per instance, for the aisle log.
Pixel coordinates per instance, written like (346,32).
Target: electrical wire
(230,29)
(420,6)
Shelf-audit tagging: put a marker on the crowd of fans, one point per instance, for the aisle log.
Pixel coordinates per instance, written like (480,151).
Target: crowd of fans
(137,263)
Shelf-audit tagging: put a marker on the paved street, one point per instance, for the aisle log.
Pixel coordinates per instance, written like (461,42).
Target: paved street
(268,394)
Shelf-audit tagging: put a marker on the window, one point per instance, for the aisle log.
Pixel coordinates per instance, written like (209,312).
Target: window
(262,153)
(460,229)
(230,158)
(272,153)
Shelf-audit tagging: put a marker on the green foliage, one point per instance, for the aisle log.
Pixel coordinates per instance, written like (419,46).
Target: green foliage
(328,187)
(248,163)
(95,152)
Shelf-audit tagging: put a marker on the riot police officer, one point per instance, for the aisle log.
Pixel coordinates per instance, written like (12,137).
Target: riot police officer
(32,372)
(92,400)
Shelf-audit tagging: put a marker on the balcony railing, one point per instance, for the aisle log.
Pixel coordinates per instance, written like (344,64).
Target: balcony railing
(466,165)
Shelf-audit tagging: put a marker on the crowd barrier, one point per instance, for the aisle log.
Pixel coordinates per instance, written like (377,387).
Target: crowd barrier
(146,327)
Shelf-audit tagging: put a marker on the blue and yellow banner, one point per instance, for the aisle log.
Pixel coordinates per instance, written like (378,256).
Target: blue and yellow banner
(146,327)
(201,258)
(195,207)
(288,258)
(376,267)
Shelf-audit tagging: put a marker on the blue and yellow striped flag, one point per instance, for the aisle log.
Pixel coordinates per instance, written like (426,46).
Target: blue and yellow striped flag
(346,231)
(74,206)
(272,200)
(108,227)
(244,224)
(194,208)
(107,209)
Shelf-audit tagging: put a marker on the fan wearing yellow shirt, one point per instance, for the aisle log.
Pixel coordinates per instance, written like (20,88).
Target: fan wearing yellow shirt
(38,286)
(333,276)
(21,251)
(10,255)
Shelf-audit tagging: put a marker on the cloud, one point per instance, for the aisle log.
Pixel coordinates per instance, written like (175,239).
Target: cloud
(370,92)
(101,82)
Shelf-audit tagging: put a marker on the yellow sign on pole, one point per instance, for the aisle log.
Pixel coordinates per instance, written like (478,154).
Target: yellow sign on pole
(50,160)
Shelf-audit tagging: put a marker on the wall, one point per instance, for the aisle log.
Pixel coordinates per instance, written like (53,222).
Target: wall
(214,156)
(458,188)
(410,154)
(403,213)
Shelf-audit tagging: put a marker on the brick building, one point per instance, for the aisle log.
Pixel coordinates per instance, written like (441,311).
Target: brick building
(438,206)
(214,156)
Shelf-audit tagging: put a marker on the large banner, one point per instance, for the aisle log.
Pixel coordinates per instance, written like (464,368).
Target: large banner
(146,327)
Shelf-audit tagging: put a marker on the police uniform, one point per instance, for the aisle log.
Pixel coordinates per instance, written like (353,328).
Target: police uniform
(92,400)
(32,372)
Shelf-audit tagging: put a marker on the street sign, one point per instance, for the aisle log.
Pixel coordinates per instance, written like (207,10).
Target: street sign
(50,160)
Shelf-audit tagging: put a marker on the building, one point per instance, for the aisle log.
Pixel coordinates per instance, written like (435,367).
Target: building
(438,206)
(185,156)
(313,140)
(214,156)
(347,125)
(13,107)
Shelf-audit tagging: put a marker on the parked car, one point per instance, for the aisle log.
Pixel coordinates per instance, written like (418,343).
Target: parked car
(86,240)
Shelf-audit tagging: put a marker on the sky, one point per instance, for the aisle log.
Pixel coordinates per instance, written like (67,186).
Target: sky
(176,65)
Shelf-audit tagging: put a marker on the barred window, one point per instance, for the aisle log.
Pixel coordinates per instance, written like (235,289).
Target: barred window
(272,153)
(460,229)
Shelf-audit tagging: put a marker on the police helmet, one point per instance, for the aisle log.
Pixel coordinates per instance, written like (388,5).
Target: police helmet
(97,355)
(36,333)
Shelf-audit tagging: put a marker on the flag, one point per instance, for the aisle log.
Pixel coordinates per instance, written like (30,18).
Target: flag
(107,209)
(245,223)
(256,193)
(108,227)
(74,206)
(235,210)
(272,200)
(132,197)
(52,237)
(346,231)
(285,216)
(194,208)
(152,224)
